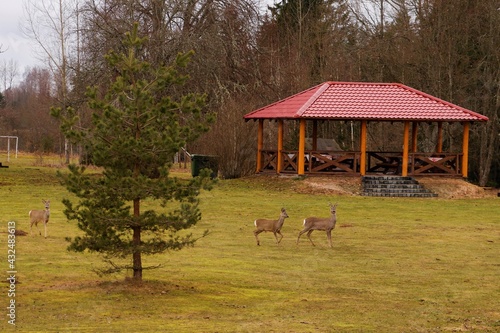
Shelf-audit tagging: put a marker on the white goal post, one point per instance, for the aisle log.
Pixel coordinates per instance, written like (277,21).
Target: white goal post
(8,137)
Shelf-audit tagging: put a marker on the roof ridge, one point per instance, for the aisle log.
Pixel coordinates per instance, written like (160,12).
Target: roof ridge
(321,89)
(281,100)
(442,101)
(360,82)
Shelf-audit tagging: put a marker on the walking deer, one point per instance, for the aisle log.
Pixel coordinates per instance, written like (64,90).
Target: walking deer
(316,223)
(270,225)
(40,216)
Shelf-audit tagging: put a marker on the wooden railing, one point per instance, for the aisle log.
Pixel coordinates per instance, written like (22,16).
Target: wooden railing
(436,164)
(269,160)
(290,161)
(332,162)
(347,162)
(319,161)
(418,163)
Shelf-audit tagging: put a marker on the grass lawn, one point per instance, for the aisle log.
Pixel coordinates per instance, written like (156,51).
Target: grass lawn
(397,265)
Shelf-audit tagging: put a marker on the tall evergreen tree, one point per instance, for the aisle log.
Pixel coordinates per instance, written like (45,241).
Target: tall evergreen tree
(137,129)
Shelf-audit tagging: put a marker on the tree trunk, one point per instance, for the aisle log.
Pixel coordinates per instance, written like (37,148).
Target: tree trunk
(488,144)
(137,260)
(137,255)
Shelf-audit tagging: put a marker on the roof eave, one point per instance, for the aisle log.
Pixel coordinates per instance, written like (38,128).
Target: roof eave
(444,120)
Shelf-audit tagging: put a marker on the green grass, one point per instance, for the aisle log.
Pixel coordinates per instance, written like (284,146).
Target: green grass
(397,265)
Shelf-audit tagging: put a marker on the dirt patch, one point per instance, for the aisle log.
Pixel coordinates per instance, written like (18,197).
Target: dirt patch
(330,185)
(455,188)
(446,188)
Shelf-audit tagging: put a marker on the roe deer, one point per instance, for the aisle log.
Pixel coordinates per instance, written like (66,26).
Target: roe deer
(270,225)
(316,223)
(40,216)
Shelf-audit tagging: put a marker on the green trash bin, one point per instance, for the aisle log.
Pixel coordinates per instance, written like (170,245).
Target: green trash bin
(200,162)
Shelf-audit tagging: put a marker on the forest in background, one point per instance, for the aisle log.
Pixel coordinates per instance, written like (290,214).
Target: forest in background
(248,55)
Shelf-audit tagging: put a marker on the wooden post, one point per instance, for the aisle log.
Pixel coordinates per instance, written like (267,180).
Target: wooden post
(439,147)
(315,135)
(362,158)
(260,144)
(302,144)
(414,130)
(465,150)
(279,161)
(406,139)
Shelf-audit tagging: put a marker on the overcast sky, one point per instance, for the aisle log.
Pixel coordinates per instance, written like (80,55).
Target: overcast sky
(19,48)
(16,46)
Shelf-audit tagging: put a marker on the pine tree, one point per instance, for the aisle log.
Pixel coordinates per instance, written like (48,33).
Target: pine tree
(136,130)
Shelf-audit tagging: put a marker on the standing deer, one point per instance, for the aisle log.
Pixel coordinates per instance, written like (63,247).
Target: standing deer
(270,225)
(40,216)
(316,223)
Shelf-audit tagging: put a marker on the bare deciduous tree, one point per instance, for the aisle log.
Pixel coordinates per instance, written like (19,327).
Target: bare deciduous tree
(9,71)
(245,58)
(51,25)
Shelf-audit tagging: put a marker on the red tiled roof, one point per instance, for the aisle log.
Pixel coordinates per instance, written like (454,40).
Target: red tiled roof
(365,101)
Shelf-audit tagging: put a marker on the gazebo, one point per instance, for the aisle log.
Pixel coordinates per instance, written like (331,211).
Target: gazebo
(363,102)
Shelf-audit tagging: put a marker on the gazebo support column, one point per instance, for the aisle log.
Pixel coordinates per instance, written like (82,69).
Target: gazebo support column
(439,146)
(315,135)
(302,145)
(406,139)
(465,150)
(279,161)
(414,131)
(260,144)
(362,157)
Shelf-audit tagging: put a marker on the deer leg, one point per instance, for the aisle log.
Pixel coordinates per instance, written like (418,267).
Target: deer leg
(329,235)
(256,232)
(45,229)
(279,232)
(300,234)
(276,237)
(309,236)
(36,225)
